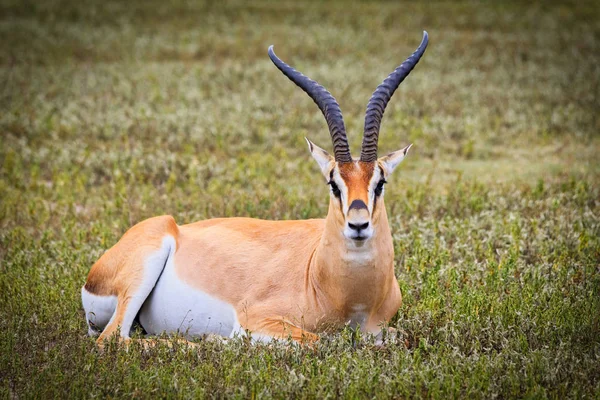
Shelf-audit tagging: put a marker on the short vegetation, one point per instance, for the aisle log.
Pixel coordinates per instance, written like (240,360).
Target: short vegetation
(113,112)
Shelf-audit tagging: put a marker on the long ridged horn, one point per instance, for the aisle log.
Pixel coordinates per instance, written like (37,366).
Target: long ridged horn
(327,104)
(380,99)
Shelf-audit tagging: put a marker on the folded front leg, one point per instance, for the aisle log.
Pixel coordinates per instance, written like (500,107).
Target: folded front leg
(273,328)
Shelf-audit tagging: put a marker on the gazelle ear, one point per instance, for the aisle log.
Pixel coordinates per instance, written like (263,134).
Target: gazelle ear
(391,161)
(323,158)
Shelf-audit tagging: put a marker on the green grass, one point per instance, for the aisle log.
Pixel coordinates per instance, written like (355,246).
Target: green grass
(113,112)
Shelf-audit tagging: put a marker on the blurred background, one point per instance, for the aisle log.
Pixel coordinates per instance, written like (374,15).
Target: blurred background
(180,92)
(115,111)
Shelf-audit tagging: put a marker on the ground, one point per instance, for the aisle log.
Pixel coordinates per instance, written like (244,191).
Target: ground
(113,112)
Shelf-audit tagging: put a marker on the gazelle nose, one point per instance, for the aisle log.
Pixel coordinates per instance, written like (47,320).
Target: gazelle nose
(358,227)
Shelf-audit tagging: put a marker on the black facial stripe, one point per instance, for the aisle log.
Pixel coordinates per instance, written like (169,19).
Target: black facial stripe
(357,205)
(382,176)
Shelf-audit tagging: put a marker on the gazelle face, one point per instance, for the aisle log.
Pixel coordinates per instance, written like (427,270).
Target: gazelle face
(356,190)
(356,185)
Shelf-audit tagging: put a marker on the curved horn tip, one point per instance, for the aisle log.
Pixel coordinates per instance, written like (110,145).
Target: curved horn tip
(326,103)
(310,144)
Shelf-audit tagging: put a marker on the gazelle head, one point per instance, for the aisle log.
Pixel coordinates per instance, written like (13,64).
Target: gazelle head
(356,185)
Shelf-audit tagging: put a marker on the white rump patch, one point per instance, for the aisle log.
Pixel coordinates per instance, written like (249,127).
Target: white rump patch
(99,310)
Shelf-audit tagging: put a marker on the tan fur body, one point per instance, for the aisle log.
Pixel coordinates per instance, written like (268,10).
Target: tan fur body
(271,278)
(281,277)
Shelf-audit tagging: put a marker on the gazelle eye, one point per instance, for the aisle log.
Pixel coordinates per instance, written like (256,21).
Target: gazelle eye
(379,187)
(335,189)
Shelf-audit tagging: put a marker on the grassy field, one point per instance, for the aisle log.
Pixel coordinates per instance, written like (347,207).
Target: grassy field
(113,112)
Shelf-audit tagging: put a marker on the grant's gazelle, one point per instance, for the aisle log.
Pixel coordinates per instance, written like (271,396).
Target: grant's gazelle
(274,279)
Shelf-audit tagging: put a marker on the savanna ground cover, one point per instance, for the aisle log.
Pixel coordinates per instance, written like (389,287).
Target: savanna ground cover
(113,112)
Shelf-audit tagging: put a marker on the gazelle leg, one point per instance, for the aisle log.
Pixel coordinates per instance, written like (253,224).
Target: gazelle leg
(135,287)
(279,328)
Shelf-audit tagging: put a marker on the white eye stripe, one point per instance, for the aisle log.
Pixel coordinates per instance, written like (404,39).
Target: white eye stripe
(337,179)
(375,179)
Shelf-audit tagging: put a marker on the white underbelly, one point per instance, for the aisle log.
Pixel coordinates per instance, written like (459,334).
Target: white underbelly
(174,306)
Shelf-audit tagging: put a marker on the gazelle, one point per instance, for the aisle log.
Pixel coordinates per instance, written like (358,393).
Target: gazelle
(274,279)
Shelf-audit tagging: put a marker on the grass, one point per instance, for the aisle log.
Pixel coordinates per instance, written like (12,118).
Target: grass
(113,112)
